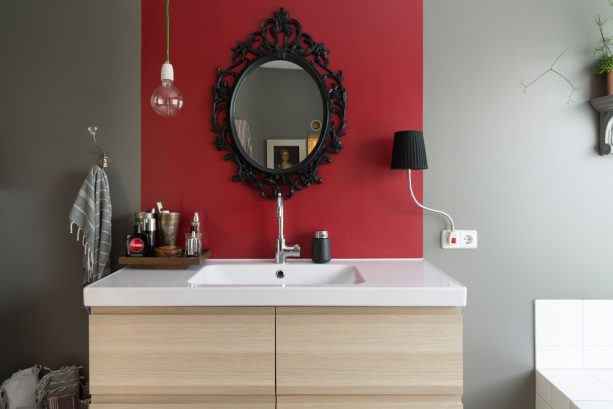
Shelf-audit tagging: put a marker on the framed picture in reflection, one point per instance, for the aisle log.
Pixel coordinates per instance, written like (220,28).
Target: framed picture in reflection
(284,154)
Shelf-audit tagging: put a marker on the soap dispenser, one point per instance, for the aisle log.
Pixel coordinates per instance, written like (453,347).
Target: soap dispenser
(193,239)
(321,247)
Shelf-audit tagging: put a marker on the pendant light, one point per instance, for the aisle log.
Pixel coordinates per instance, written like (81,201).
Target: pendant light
(167,100)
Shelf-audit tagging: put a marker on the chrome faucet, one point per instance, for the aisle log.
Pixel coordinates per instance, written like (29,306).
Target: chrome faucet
(283,250)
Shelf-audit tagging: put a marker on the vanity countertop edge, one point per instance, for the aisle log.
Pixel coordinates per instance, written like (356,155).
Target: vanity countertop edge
(387,283)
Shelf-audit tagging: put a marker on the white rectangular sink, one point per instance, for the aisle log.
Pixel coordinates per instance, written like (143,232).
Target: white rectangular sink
(270,274)
(239,282)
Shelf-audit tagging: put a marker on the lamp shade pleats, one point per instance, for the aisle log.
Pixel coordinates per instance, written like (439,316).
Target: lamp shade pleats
(409,151)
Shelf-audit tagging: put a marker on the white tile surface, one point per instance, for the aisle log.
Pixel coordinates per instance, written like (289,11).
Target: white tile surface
(577,335)
(559,357)
(559,400)
(543,388)
(605,376)
(598,357)
(577,385)
(558,322)
(598,322)
(592,405)
(541,404)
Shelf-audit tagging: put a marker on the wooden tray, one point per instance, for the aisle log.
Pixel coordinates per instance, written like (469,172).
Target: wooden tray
(165,263)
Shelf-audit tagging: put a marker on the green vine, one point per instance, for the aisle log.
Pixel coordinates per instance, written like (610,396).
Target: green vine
(553,70)
(603,53)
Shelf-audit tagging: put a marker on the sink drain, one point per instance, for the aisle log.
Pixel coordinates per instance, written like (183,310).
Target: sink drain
(280,274)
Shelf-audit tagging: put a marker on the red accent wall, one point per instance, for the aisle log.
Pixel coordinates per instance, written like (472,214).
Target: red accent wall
(365,205)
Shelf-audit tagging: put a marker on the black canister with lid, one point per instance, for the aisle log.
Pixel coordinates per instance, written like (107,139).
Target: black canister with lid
(321,247)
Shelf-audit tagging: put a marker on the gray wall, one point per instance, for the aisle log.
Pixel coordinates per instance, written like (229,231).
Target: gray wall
(520,168)
(65,65)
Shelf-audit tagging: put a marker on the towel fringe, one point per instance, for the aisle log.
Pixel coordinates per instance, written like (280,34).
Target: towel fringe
(87,252)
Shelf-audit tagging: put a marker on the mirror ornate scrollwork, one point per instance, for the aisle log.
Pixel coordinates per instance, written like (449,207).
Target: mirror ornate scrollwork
(278,58)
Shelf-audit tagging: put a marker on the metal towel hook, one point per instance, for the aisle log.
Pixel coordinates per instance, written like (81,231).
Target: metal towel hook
(104,160)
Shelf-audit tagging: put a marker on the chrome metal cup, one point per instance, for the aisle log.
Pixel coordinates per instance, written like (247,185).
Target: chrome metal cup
(168,228)
(140,217)
(149,222)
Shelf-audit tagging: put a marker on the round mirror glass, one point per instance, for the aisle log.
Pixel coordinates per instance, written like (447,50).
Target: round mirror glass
(278,115)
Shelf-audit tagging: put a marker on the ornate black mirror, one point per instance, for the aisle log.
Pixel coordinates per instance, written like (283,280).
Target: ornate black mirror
(278,109)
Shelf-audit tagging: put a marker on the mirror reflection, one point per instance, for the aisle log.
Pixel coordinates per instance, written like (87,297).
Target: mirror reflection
(278,115)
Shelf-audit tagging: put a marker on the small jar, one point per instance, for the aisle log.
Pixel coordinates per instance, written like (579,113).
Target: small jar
(193,243)
(321,247)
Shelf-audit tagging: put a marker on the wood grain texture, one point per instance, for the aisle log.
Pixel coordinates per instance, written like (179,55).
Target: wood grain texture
(216,351)
(180,399)
(182,310)
(191,402)
(368,402)
(345,351)
(163,262)
(367,310)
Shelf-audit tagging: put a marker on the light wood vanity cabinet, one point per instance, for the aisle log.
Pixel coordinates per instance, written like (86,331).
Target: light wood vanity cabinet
(370,358)
(182,357)
(283,357)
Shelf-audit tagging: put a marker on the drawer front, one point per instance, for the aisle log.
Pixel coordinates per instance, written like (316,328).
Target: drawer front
(176,351)
(369,402)
(209,405)
(184,402)
(369,351)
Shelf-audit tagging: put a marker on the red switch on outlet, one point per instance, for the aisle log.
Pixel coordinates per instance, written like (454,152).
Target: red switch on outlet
(453,239)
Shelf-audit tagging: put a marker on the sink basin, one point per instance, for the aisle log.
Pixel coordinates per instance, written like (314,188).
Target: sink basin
(254,282)
(270,274)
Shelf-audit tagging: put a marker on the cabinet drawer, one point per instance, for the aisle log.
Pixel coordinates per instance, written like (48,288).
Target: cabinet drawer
(369,402)
(185,402)
(369,351)
(173,351)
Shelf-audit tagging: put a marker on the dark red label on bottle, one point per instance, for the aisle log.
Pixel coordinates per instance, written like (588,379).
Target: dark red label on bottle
(136,245)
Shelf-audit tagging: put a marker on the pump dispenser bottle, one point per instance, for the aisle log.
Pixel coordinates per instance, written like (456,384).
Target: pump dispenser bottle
(193,239)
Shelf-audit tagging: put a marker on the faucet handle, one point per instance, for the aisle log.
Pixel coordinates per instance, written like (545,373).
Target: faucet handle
(294,250)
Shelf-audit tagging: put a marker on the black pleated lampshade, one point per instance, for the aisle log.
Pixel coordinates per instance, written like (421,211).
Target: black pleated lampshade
(409,150)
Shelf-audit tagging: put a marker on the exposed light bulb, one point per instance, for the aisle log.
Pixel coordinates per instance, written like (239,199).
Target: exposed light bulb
(166,99)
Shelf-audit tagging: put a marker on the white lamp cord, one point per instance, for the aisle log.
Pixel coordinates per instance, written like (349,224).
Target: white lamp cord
(427,208)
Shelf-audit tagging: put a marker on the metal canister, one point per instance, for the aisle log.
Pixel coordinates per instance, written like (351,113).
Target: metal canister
(149,223)
(168,228)
(321,247)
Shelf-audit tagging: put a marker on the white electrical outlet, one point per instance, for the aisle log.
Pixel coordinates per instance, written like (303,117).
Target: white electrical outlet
(459,239)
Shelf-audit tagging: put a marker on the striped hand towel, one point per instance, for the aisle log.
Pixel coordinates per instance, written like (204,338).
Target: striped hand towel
(91,213)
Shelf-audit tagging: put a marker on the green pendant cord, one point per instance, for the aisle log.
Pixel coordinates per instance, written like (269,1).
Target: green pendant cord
(167,31)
